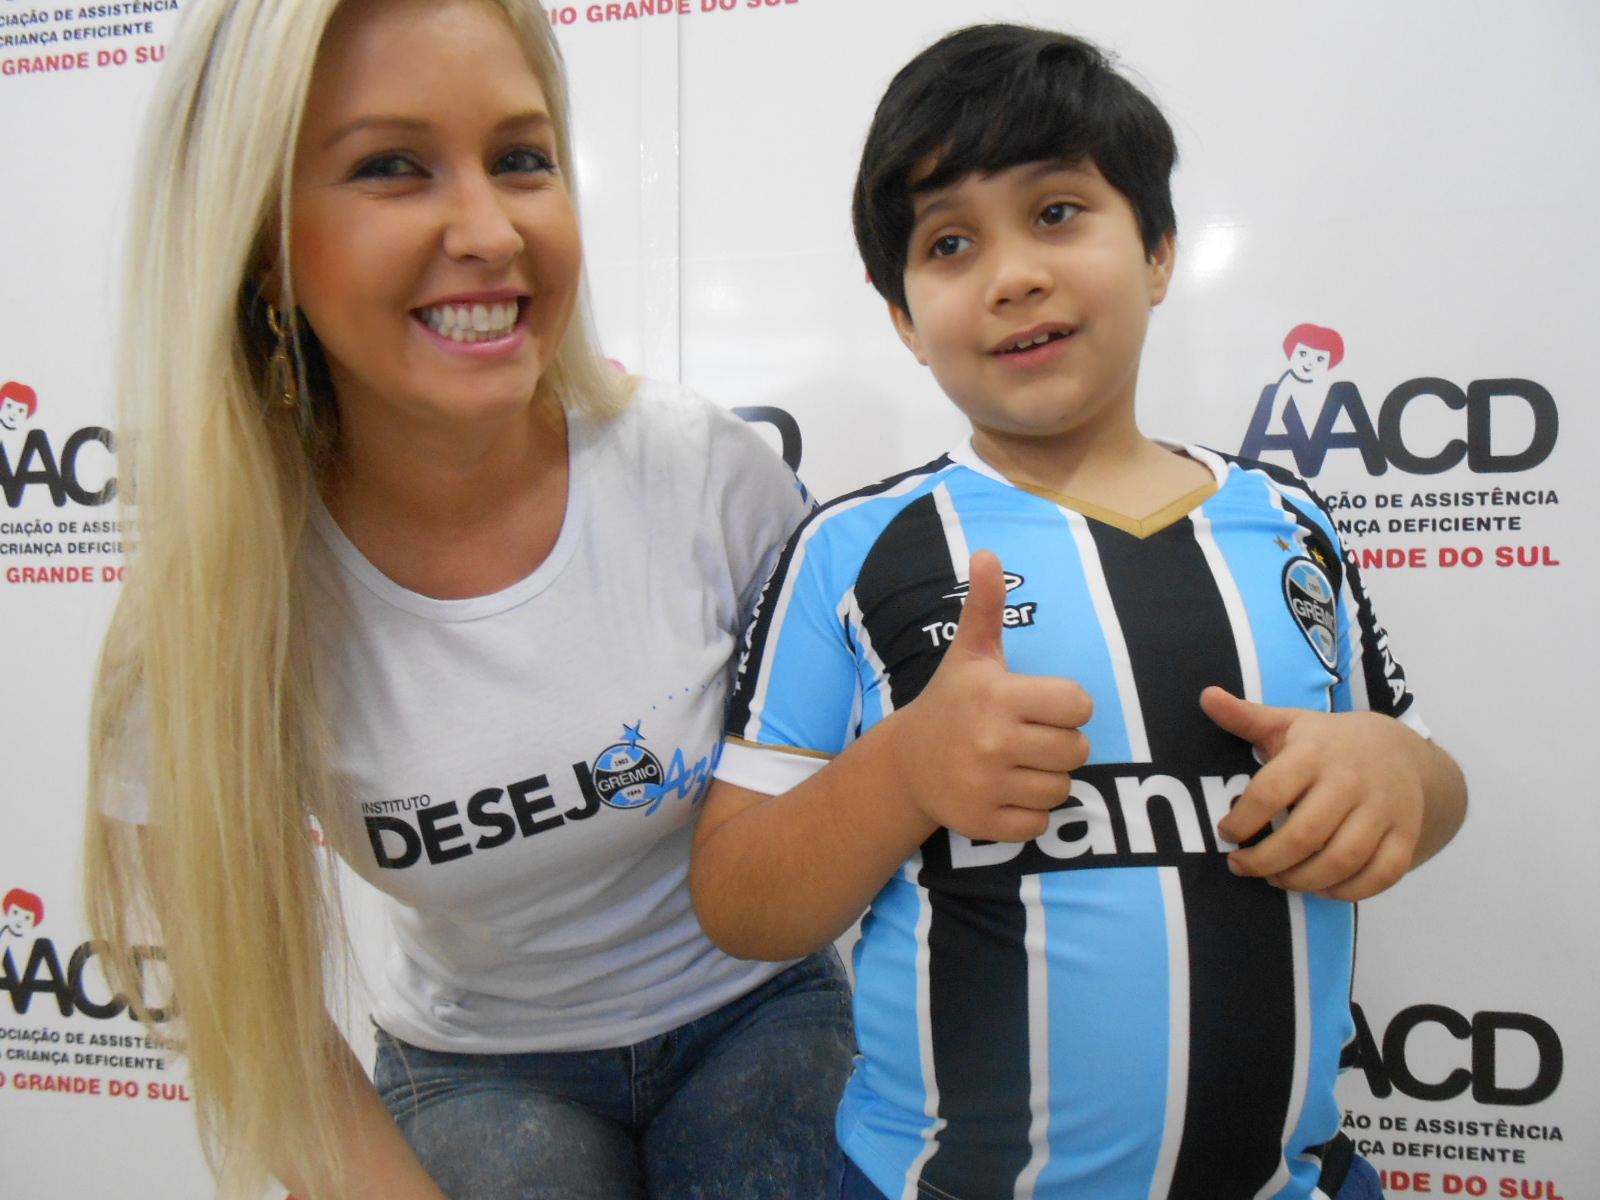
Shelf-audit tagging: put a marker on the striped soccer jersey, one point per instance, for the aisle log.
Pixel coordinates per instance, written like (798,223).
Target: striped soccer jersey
(1107,1011)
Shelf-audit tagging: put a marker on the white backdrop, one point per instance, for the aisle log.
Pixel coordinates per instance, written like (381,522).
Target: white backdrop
(1419,177)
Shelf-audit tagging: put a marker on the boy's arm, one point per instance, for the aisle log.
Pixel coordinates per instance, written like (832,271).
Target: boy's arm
(981,751)
(1366,797)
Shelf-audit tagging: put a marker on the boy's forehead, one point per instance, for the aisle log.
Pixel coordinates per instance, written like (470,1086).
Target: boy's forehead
(930,192)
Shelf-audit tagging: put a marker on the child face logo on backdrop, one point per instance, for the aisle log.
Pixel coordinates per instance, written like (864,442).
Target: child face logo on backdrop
(20,913)
(18,402)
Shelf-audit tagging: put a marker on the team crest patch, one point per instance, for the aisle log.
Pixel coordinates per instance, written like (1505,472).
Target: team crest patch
(1310,599)
(627,775)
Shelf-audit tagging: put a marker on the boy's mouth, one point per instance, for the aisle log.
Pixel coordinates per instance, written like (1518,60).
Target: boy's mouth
(1031,340)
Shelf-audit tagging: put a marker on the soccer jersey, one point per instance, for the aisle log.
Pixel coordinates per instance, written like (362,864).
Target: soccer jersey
(1106,1011)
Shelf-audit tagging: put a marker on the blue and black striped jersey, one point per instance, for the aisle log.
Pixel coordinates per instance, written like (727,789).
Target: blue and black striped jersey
(1106,1011)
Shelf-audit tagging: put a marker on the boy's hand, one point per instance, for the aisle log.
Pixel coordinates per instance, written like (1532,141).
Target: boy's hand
(985,752)
(1353,786)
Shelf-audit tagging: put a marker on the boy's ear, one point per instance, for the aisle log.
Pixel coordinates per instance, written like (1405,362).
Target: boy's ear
(907,331)
(1162,259)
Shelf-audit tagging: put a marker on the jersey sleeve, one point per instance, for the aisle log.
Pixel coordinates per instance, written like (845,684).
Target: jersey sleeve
(796,697)
(1370,678)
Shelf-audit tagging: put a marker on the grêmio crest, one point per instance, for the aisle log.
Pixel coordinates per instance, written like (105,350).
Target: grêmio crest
(1309,596)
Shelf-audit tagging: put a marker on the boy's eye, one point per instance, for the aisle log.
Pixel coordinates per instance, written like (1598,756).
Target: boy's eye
(949,244)
(523,160)
(1058,213)
(388,166)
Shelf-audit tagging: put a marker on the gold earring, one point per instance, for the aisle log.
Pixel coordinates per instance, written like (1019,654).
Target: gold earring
(282,381)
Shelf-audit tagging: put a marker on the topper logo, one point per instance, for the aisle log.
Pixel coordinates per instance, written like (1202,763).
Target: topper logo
(1341,420)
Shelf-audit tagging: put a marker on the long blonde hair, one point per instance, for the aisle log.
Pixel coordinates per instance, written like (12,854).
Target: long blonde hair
(207,664)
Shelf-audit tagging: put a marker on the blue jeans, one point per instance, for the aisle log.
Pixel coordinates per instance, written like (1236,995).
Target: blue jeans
(848,1183)
(738,1105)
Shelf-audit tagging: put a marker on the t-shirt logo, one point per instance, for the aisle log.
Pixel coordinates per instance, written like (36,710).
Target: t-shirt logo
(1310,599)
(626,775)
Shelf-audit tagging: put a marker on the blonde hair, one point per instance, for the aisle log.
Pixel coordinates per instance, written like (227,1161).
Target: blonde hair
(208,655)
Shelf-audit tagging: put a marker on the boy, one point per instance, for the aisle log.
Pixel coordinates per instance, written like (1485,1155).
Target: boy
(1071,983)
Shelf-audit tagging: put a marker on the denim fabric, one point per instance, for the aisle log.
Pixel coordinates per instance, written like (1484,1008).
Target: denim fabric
(848,1183)
(738,1105)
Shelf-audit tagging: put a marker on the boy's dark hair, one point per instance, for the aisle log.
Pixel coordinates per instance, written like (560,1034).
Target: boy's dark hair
(991,97)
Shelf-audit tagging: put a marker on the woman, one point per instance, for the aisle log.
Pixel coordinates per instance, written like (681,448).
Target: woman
(415,562)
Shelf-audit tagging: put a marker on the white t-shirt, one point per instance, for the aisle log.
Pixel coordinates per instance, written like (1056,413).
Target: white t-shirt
(524,768)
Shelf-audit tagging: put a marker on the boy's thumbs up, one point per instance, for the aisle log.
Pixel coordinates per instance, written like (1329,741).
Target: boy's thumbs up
(983,616)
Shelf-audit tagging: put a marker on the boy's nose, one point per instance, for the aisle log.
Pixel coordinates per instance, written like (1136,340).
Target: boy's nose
(1019,274)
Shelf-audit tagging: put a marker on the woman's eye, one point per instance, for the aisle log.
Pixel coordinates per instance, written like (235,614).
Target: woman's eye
(949,244)
(387,166)
(524,160)
(1058,213)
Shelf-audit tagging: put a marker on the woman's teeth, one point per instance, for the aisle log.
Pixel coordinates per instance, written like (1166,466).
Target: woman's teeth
(471,322)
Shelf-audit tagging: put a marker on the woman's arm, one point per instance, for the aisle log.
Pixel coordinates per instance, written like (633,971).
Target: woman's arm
(379,1165)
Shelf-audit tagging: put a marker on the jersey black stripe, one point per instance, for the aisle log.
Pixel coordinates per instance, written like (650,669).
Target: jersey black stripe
(978,1015)
(1241,960)
(906,583)
(754,645)
(978,972)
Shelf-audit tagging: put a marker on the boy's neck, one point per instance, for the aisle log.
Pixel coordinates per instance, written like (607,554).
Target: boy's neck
(1121,471)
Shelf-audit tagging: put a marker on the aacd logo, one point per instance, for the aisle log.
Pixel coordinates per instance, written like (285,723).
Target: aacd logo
(69,474)
(1388,1065)
(1340,420)
(21,912)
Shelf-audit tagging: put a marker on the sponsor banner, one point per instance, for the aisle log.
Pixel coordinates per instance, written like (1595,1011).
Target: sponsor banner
(1381,285)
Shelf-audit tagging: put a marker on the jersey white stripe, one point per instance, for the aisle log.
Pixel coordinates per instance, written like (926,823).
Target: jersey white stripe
(1302,1041)
(850,613)
(930,1085)
(1244,639)
(955,537)
(1116,645)
(1031,893)
(1177,1031)
(763,669)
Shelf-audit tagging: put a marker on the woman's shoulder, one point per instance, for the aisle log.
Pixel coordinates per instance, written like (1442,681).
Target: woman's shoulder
(664,409)
(670,425)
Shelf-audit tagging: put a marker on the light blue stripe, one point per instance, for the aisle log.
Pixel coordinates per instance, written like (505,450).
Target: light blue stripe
(1330,942)
(881,1119)
(811,672)
(1034,540)
(1109,1031)
(1247,528)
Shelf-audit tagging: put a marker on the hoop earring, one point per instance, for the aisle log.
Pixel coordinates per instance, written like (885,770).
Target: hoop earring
(282,379)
